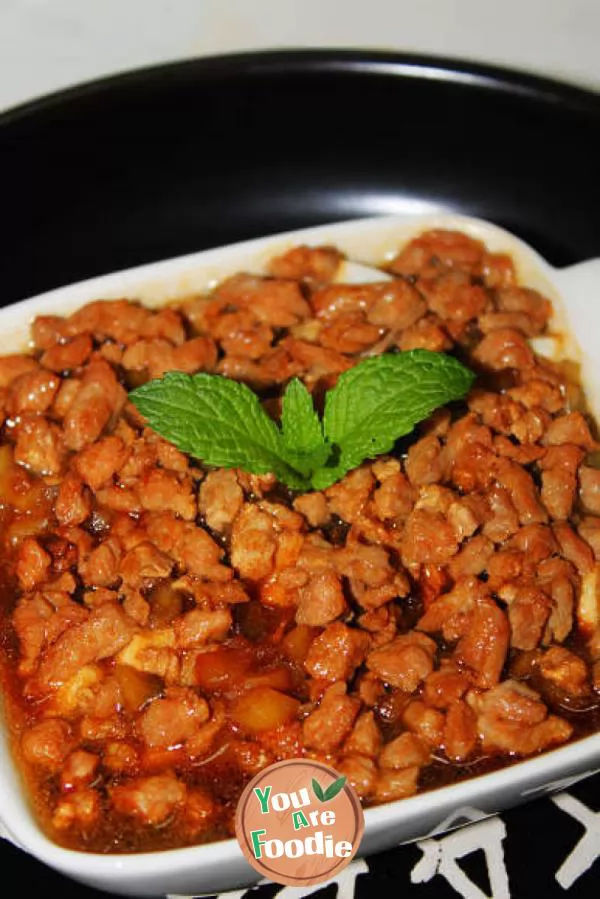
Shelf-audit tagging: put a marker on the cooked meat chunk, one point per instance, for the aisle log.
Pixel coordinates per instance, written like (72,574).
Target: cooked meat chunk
(150,799)
(170,721)
(589,489)
(336,653)
(405,662)
(81,809)
(33,564)
(330,723)
(512,717)
(361,772)
(220,499)
(104,632)
(405,751)
(33,391)
(321,600)
(564,669)
(47,744)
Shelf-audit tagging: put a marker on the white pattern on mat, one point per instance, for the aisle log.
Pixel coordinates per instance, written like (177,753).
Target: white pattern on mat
(440,857)
(587,850)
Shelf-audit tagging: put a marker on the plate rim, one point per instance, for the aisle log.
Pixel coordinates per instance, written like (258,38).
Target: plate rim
(368,62)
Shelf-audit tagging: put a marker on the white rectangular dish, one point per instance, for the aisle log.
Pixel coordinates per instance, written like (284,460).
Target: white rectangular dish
(219,866)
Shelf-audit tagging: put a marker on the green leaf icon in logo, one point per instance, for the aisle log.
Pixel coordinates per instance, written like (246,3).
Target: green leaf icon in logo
(317,790)
(332,790)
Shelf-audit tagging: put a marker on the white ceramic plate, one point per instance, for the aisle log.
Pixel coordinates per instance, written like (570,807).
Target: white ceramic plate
(220,866)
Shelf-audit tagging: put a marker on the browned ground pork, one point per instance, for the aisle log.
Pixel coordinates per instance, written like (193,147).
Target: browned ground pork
(169,630)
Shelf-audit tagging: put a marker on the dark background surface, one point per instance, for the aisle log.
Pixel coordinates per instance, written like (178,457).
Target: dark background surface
(183,157)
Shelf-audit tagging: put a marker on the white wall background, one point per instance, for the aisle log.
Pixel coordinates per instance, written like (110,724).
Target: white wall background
(48,44)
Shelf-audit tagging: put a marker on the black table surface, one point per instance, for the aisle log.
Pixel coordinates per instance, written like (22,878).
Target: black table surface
(192,155)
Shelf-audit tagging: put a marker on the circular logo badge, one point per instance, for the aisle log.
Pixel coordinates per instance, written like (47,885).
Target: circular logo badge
(299,822)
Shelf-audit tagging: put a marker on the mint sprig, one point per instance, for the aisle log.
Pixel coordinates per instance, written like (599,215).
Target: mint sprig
(217,420)
(223,423)
(381,400)
(301,430)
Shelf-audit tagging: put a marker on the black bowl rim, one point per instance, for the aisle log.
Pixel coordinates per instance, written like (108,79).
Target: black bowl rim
(501,79)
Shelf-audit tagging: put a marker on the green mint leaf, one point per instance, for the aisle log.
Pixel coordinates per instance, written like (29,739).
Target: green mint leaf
(382,399)
(301,428)
(217,420)
(334,788)
(302,431)
(222,423)
(318,790)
